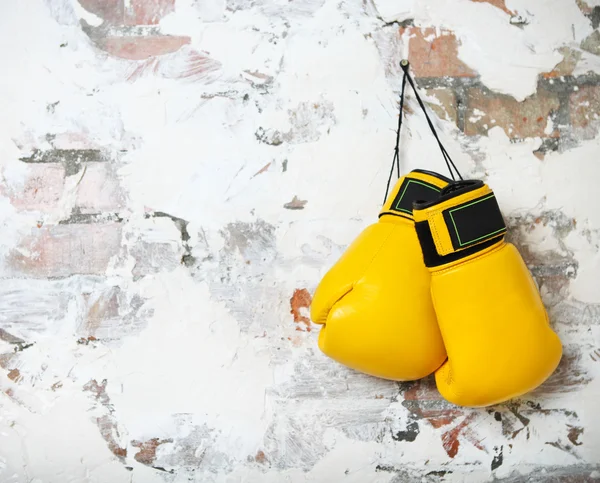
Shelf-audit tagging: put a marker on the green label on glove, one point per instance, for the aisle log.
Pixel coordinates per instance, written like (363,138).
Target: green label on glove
(412,190)
(474,222)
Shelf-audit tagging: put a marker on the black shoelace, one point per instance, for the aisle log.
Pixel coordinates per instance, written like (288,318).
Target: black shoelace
(396,160)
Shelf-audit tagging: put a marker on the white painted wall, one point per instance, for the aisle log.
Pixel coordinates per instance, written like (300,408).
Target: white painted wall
(207,358)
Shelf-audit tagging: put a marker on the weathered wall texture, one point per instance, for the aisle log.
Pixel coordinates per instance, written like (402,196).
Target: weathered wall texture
(176,176)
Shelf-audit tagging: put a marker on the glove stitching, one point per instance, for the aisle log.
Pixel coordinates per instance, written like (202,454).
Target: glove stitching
(436,236)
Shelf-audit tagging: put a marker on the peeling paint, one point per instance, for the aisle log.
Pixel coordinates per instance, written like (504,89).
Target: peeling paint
(147,453)
(295,204)
(299,301)
(177,176)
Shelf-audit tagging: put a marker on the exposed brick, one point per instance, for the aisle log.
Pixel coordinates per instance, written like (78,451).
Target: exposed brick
(592,43)
(567,65)
(109,430)
(14,375)
(524,119)
(42,189)
(111,11)
(451,439)
(260,457)
(434,56)
(501,4)
(447,107)
(63,250)
(98,190)
(139,48)
(300,301)
(147,12)
(98,390)
(147,453)
(584,7)
(423,401)
(295,204)
(584,106)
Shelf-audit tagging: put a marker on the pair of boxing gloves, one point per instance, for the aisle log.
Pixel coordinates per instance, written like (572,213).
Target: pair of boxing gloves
(433,286)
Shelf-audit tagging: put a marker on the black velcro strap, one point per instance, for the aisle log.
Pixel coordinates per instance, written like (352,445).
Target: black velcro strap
(412,190)
(474,222)
(430,255)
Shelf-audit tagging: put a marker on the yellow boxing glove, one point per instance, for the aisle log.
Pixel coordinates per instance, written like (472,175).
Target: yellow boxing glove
(489,310)
(374,303)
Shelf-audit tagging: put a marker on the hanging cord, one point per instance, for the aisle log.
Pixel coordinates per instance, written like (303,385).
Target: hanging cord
(396,161)
(449,163)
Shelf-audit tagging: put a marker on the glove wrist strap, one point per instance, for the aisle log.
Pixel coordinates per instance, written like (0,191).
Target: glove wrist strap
(464,220)
(418,185)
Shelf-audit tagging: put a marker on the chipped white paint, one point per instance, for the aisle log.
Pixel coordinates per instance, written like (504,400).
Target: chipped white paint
(507,62)
(298,99)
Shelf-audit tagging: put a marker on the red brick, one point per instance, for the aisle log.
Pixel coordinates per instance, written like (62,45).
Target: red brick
(584,106)
(451,439)
(111,11)
(567,65)
(424,401)
(501,4)
(301,300)
(139,48)
(109,429)
(147,453)
(147,12)
(446,109)
(528,118)
(63,250)
(42,189)
(14,375)
(431,55)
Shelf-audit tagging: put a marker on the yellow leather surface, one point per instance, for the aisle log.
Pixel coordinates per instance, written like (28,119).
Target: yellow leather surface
(493,323)
(375,302)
